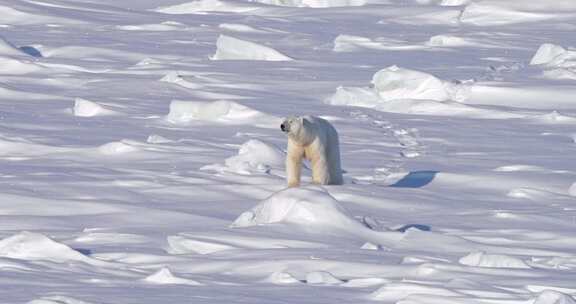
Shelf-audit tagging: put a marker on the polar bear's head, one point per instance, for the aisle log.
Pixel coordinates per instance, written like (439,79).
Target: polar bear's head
(299,128)
(292,124)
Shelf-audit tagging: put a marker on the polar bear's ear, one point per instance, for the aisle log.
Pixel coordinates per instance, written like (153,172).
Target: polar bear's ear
(300,119)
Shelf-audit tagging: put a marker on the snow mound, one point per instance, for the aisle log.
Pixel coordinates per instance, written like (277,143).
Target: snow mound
(34,246)
(314,3)
(181,245)
(572,190)
(322,278)
(230,48)
(57,300)
(395,83)
(161,27)
(282,278)
(241,28)
(87,108)
(9,49)
(299,206)
(178,78)
(116,148)
(165,276)
(448,40)
(202,6)
(14,61)
(351,43)
(394,292)
(555,117)
(254,156)
(557,62)
(553,297)
(399,90)
(547,53)
(158,139)
(222,111)
(482,259)
(494,13)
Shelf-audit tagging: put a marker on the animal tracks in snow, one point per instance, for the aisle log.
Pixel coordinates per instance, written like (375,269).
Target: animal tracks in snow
(407,140)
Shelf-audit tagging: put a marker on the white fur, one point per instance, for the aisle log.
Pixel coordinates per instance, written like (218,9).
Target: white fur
(316,140)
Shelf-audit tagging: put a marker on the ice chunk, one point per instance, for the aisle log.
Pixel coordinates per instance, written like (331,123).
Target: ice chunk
(230,48)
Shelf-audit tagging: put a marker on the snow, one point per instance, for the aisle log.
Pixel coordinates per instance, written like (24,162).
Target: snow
(142,159)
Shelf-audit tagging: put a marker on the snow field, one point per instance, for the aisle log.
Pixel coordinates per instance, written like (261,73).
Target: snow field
(163,181)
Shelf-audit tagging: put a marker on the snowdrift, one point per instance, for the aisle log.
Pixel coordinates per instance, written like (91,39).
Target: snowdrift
(222,111)
(314,3)
(165,277)
(307,207)
(254,156)
(15,61)
(230,48)
(556,61)
(202,6)
(400,90)
(482,259)
(494,12)
(86,108)
(313,210)
(34,246)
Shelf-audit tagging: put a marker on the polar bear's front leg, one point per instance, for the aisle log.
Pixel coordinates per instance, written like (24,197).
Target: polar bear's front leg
(294,164)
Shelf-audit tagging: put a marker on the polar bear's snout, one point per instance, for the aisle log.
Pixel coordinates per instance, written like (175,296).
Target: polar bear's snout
(284,127)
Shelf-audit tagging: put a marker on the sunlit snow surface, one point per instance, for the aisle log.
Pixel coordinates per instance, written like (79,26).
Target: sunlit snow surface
(142,161)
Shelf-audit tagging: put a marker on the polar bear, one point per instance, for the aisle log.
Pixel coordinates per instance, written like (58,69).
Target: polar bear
(316,140)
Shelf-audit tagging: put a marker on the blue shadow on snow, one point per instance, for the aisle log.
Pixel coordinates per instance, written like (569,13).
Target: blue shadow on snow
(416,179)
(32,51)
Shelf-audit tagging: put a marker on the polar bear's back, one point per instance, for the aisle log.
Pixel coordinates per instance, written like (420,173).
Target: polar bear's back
(329,136)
